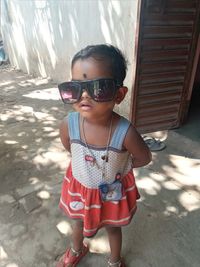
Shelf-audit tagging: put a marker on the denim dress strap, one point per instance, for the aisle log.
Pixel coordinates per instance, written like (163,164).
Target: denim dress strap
(73,125)
(120,133)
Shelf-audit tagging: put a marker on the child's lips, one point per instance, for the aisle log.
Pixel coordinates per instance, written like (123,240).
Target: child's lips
(85,105)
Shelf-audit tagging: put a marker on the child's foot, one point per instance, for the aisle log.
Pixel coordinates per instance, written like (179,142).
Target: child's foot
(71,257)
(119,263)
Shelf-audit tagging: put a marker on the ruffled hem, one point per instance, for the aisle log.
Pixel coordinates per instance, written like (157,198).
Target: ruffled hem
(79,202)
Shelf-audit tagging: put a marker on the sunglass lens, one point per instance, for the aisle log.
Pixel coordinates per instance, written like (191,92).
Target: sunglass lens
(70,92)
(104,90)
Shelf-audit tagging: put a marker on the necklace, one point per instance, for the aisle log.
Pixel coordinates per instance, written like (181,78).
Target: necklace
(91,156)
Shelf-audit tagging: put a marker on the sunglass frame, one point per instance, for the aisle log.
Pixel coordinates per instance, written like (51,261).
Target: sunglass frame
(89,86)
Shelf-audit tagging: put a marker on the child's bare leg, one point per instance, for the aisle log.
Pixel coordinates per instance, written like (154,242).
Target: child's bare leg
(77,235)
(74,254)
(77,241)
(115,241)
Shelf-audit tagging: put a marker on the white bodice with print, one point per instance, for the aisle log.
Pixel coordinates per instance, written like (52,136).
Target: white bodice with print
(119,160)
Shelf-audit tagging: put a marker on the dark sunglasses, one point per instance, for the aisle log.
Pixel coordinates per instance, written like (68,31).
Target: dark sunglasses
(100,90)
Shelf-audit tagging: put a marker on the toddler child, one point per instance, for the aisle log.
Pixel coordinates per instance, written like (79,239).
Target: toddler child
(99,188)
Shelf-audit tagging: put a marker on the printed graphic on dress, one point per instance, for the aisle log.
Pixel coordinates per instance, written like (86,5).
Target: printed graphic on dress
(76,205)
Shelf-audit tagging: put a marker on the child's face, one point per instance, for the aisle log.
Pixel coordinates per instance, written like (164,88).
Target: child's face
(91,69)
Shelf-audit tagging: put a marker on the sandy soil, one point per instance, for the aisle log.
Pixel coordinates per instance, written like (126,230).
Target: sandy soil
(31,167)
(30,115)
(33,231)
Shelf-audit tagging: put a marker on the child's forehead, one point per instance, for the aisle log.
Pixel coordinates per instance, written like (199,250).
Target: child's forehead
(90,68)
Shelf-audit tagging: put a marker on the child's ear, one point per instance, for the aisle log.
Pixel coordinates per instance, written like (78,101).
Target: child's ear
(121,93)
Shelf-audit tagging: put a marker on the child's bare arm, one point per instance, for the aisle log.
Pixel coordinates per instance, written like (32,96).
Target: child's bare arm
(136,146)
(64,134)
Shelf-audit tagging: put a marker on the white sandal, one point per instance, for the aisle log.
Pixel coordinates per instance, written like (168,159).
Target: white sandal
(153,143)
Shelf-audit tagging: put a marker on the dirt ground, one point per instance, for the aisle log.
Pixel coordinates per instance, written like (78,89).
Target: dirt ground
(34,232)
(31,167)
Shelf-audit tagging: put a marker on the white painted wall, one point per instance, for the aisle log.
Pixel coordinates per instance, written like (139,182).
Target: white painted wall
(0,21)
(42,36)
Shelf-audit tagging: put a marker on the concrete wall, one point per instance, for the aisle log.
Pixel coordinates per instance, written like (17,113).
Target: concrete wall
(42,36)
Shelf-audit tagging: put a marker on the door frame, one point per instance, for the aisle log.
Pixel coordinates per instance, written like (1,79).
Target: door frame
(185,108)
(132,115)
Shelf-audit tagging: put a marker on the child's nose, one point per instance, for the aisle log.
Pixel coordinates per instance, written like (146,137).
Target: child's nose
(85,94)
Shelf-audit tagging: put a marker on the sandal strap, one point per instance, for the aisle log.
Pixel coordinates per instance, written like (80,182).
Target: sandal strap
(114,264)
(69,256)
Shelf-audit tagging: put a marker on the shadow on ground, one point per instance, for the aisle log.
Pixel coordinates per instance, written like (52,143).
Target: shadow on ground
(34,232)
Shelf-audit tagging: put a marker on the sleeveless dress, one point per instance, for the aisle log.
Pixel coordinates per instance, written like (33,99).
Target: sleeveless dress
(80,195)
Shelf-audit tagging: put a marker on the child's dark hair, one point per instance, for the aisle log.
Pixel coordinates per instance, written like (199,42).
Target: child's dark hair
(109,53)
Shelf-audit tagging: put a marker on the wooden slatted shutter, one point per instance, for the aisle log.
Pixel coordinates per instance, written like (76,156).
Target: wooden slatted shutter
(167,39)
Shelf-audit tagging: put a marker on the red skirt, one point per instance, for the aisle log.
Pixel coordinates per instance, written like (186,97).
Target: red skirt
(80,202)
